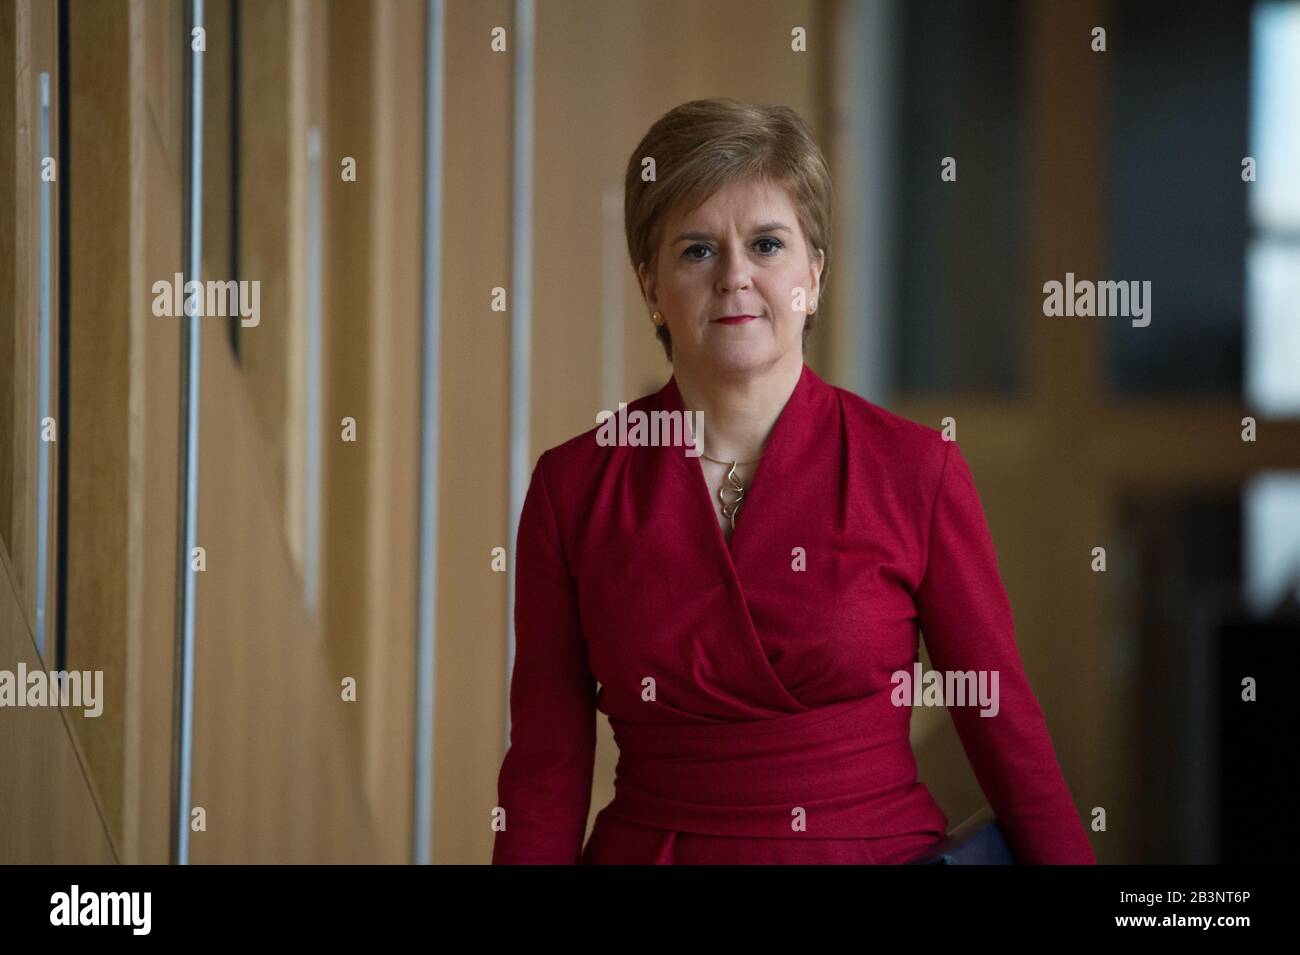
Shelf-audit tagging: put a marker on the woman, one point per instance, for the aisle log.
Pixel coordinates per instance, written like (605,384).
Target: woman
(745,611)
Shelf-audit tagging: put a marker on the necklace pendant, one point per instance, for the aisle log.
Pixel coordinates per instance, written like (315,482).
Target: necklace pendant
(731,505)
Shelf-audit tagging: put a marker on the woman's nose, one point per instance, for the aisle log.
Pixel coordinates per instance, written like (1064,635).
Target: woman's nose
(735,271)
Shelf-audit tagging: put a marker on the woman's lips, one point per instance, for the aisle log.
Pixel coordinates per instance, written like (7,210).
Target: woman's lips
(736,319)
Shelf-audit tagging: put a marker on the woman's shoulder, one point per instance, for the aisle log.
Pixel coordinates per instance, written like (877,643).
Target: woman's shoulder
(906,461)
(900,438)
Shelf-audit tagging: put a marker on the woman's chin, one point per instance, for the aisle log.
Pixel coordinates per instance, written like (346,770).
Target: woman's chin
(740,357)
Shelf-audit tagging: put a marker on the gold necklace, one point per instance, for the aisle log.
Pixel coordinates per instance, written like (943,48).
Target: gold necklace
(732,484)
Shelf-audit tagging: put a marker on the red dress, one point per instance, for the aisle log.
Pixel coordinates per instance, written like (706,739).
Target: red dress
(749,682)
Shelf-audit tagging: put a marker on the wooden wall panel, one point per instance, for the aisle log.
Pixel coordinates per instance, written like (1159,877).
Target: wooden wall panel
(271,766)
(346,358)
(266,158)
(30,48)
(391,448)
(48,809)
(47,812)
(15,180)
(470,701)
(97,435)
(155,250)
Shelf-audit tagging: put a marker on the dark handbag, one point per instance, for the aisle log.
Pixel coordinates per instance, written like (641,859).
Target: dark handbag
(977,841)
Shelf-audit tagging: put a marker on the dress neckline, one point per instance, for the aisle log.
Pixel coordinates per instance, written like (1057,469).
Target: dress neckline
(773,469)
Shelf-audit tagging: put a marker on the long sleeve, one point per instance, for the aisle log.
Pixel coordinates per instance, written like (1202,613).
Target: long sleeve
(966,621)
(545,781)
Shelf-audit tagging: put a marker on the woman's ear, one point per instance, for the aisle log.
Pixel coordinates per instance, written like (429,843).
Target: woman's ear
(647,280)
(816,274)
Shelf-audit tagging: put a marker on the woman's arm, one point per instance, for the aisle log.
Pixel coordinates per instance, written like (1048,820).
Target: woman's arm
(545,780)
(966,621)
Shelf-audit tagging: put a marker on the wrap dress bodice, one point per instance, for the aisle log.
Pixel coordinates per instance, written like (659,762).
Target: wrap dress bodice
(750,682)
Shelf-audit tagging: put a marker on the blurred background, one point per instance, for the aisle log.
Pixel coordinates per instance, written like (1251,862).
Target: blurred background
(331,685)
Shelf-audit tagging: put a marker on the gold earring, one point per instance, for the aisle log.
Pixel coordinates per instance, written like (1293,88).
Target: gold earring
(657,318)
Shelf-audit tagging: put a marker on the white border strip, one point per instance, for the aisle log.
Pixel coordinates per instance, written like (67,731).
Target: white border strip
(190,413)
(43,383)
(425,674)
(521,312)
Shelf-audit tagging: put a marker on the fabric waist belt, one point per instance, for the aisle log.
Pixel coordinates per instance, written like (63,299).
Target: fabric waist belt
(844,770)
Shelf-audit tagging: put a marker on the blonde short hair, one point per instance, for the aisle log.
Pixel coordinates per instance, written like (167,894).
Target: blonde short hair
(706,144)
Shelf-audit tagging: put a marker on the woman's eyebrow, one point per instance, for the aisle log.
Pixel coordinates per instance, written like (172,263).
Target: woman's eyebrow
(705,236)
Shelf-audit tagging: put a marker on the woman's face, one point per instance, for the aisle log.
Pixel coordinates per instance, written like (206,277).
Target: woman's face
(740,253)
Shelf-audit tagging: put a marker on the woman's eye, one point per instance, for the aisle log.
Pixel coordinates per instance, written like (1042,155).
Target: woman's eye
(775,246)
